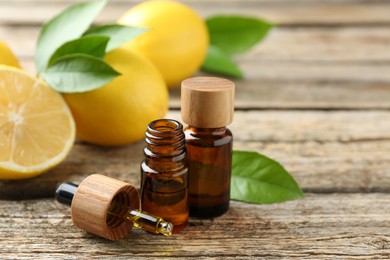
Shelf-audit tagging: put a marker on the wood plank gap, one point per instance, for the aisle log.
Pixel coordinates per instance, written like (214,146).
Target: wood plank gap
(282,25)
(292,108)
(339,25)
(377,190)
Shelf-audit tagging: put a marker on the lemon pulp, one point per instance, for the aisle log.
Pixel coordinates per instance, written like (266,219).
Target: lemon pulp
(36,127)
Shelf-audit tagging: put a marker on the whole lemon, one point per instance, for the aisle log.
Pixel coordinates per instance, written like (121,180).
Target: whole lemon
(119,112)
(177,41)
(7,57)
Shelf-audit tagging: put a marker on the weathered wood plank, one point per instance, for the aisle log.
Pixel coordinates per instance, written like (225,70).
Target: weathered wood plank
(281,12)
(300,94)
(295,72)
(326,54)
(353,44)
(288,85)
(338,62)
(343,44)
(353,226)
(325,151)
(304,85)
(304,126)
(317,71)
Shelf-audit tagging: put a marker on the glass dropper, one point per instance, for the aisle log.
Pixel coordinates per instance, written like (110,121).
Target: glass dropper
(120,212)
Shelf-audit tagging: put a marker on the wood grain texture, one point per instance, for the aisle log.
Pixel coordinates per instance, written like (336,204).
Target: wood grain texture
(305,85)
(338,44)
(293,68)
(282,12)
(207,102)
(92,201)
(339,151)
(353,226)
(315,98)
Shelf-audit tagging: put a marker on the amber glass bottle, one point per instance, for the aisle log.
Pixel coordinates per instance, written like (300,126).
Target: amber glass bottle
(164,184)
(207,107)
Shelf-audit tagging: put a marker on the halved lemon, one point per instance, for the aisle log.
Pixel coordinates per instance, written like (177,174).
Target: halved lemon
(37,130)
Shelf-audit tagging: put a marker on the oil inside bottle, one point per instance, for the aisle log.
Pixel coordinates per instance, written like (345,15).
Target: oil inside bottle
(164,173)
(209,163)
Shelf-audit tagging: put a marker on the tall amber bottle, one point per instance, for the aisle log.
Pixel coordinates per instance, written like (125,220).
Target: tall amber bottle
(207,105)
(164,173)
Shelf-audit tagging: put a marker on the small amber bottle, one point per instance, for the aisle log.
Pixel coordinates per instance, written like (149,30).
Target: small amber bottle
(207,105)
(164,173)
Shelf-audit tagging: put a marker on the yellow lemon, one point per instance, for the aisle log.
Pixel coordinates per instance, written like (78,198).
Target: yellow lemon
(36,127)
(119,112)
(7,57)
(177,41)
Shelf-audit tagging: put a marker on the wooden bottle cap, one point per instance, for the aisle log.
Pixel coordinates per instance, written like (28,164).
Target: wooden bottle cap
(92,200)
(207,102)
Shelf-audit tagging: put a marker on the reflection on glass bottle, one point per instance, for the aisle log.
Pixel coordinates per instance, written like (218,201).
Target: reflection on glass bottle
(164,184)
(207,105)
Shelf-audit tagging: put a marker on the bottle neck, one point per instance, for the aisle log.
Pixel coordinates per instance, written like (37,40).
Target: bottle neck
(165,143)
(208,131)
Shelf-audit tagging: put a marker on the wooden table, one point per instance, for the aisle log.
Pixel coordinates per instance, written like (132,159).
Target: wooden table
(316,98)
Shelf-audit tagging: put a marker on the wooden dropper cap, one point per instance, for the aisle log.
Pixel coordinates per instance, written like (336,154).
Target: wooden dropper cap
(92,200)
(207,102)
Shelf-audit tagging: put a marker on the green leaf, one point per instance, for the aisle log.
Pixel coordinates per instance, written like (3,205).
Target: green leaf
(259,179)
(68,25)
(219,62)
(119,34)
(236,34)
(78,73)
(94,45)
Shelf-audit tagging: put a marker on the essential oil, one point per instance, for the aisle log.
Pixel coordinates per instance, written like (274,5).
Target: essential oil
(164,173)
(207,107)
